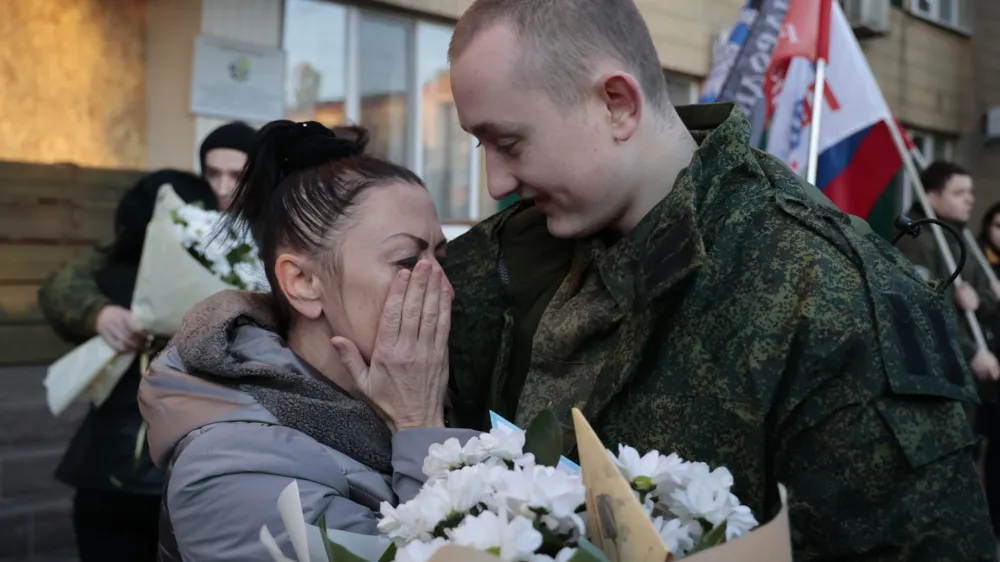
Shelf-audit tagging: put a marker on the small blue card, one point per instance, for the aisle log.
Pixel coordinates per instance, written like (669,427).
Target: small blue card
(498,421)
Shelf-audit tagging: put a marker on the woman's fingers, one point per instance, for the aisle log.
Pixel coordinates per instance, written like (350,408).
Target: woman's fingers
(432,299)
(413,303)
(352,360)
(444,317)
(388,326)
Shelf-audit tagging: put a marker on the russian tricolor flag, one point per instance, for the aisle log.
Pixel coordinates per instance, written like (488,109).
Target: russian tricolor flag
(857,155)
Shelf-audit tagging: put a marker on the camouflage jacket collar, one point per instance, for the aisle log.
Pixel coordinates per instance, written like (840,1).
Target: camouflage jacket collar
(666,246)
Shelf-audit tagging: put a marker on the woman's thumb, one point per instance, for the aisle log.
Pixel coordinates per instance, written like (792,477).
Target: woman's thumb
(350,357)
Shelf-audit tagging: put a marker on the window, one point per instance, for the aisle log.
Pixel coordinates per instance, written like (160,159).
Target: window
(954,14)
(683,90)
(388,73)
(931,146)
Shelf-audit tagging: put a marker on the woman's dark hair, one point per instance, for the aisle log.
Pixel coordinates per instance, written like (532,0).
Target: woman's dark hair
(300,182)
(984,227)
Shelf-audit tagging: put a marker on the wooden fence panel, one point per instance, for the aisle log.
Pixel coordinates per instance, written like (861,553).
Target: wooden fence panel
(49,214)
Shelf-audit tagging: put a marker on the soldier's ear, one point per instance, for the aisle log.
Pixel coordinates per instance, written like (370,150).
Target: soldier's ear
(624,101)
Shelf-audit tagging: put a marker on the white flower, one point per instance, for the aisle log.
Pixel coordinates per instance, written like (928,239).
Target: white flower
(740,520)
(447,498)
(652,473)
(442,458)
(251,274)
(558,495)
(198,232)
(419,551)
(506,445)
(513,540)
(679,536)
(706,496)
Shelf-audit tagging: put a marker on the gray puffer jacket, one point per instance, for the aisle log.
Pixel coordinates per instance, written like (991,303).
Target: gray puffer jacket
(229,457)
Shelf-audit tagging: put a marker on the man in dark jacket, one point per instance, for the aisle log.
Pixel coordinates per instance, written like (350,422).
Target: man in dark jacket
(117,502)
(691,294)
(950,192)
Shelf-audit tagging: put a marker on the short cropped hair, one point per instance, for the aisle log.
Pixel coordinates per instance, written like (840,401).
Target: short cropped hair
(562,39)
(935,177)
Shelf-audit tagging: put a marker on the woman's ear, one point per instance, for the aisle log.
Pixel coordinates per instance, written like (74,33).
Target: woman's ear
(299,285)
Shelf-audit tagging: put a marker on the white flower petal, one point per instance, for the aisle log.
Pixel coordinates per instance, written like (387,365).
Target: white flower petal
(419,551)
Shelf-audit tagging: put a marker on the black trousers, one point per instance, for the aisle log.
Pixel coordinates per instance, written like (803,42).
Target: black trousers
(114,526)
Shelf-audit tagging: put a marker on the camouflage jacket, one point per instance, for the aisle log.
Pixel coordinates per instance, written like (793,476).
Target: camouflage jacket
(71,299)
(742,323)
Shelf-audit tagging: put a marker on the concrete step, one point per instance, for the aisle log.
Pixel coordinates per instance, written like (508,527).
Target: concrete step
(24,415)
(41,529)
(61,556)
(35,510)
(27,474)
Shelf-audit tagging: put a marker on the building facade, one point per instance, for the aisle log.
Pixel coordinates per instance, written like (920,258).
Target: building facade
(112,88)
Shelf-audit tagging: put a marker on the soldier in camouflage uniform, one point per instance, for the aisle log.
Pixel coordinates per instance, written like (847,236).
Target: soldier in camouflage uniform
(691,294)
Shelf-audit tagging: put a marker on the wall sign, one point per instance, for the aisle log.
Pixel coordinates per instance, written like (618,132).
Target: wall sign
(237,80)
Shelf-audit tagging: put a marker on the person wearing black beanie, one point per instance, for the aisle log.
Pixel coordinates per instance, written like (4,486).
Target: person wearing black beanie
(223,154)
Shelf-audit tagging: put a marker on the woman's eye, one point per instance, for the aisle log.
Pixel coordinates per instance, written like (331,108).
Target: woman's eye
(442,260)
(408,263)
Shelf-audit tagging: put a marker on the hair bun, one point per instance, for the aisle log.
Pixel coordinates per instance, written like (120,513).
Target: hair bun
(308,144)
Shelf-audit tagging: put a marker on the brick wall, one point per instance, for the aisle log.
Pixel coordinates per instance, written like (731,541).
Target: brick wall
(924,71)
(35,509)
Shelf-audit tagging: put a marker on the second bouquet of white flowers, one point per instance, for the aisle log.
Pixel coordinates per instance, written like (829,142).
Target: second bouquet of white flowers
(183,262)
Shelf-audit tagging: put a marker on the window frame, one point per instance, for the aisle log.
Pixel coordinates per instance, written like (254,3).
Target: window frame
(693,83)
(930,141)
(415,26)
(933,14)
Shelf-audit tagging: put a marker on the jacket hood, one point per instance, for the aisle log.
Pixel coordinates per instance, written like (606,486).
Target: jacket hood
(174,402)
(227,363)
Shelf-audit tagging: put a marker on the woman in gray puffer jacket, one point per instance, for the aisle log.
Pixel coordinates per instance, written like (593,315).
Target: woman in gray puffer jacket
(337,379)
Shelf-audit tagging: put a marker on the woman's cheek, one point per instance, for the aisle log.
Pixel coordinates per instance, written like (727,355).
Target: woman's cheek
(371,299)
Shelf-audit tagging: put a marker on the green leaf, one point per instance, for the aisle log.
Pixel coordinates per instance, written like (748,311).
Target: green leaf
(389,555)
(335,552)
(587,552)
(543,438)
(715,537)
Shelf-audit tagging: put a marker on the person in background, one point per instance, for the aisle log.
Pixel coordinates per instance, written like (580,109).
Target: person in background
(223,154)
(116,505)
(988,423)
(117,496)
(989,236)
(950,191)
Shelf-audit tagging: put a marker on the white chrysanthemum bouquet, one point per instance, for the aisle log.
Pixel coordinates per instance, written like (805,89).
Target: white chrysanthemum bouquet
(233,260)
(182,263)
(505,497)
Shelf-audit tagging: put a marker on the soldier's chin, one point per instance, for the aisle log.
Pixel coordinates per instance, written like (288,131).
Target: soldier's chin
(565,226)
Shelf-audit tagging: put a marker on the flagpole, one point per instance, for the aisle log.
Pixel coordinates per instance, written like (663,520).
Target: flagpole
(819,89)
(949,260)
